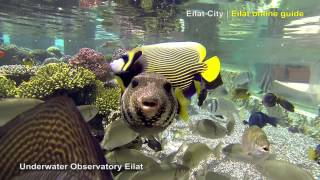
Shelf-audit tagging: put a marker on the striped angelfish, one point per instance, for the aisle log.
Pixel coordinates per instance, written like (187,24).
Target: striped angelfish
(182,63)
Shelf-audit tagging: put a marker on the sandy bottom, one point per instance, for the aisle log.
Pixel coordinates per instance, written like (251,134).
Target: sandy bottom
(287,146)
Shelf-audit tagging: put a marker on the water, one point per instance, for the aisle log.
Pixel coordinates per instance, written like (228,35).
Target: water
(288,47)
(271,49)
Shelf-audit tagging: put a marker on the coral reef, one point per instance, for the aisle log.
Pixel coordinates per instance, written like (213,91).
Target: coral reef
(107,99)
(53,77)
(7,88)
(18,73)
(14,54)
(94,61)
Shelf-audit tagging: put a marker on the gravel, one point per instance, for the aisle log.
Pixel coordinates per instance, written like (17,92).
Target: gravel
(287,146)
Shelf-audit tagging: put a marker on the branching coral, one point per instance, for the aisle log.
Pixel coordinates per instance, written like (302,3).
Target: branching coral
(52,77)
(94,61)
(108,99)
(18,73)
(7,87)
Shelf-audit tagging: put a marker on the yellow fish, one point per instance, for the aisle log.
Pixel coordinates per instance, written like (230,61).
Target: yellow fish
(182,63)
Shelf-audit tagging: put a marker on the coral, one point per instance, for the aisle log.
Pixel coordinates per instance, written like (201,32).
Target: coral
(7,88)
(94,61)
(55,50)
(56,76)
(108,99)
(14,54)
(18,73)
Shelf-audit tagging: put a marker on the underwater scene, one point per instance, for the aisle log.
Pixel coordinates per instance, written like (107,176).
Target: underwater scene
(160,89)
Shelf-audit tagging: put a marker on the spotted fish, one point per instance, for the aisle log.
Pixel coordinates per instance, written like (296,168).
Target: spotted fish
(182,63)
(148,104)
(53,132)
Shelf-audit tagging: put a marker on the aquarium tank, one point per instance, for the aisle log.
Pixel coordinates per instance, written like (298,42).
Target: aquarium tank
(160,89)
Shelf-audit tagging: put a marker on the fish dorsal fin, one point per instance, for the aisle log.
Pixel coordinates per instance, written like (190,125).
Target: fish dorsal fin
(182,47)
(53,132)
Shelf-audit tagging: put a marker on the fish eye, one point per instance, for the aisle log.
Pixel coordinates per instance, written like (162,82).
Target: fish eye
(167,87)
(134,83)
(265,149)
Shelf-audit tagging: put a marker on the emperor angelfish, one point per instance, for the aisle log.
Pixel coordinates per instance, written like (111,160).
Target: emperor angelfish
(182,63)
(148,104)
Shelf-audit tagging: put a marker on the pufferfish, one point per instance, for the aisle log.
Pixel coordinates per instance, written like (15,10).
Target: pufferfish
(148,104)
(182,63)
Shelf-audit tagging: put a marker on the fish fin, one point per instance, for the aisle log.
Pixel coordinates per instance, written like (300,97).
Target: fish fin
(197,85)
(230,126)
(201,50)
(273,121)
(217,150)
(213,69)
(214,84)
(312,154)
(88,112)
(285,104)
(120,83)
(183,104)
(202,97)
(133,56)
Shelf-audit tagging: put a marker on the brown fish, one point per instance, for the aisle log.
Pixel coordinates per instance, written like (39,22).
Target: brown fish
(255,141)
(51,133)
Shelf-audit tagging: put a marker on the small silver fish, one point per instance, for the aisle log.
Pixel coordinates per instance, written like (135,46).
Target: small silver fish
(254,147)
(208,128)
(255,141)
(222,106)
(123,156)
(172,171)
(210,175)
(190,155)
(283,170)
(118,134)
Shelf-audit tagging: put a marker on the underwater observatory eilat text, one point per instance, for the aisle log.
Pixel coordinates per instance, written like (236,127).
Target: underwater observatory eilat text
(160,89)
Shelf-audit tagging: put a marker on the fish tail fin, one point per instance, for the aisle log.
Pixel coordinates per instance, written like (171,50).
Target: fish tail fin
(285,104)
(213,69)
(183,104)
(312,154)
(273,121)
(217,150)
